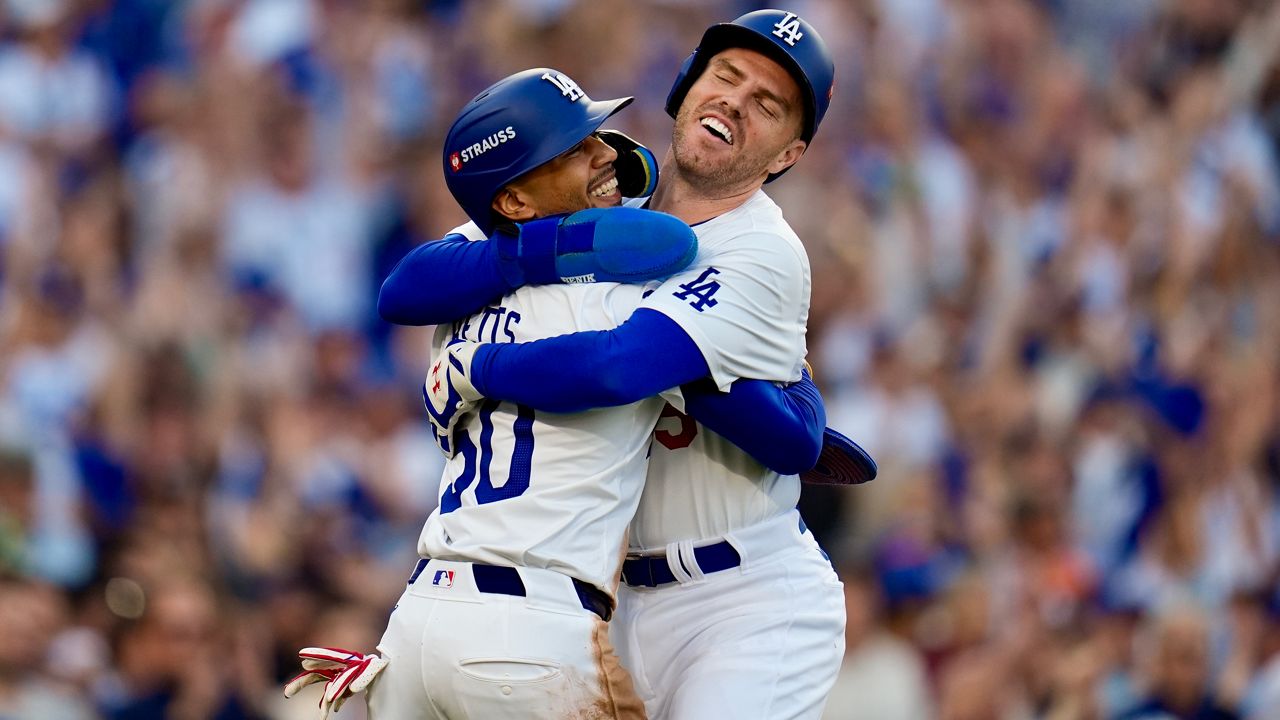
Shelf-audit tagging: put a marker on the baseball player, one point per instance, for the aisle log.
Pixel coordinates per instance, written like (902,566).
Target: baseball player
(728,607)
(505,615)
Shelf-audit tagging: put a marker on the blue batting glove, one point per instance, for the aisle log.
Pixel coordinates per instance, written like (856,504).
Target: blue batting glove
(449,394)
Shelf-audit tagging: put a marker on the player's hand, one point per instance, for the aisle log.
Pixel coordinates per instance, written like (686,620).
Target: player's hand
(637,167)
(449,394)
(343,672)
(596,245)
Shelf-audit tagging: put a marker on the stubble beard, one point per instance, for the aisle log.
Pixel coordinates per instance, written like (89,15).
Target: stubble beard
(711,176)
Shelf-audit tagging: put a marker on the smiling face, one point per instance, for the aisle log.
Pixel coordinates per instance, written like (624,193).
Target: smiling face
(581,177)
(739,122)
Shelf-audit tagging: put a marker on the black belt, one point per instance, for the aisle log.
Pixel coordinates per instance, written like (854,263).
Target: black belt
(653,570)
(502,580)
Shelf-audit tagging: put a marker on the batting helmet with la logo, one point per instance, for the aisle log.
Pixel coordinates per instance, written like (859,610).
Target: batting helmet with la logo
(788,40)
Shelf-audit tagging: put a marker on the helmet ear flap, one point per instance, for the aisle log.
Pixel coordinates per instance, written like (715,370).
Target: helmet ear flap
(684,80)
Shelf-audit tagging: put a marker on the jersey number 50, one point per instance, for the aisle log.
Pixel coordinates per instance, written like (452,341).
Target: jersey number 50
(477,461)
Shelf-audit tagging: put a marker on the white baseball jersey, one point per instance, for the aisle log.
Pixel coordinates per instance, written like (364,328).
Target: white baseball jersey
(543,490)
(769,631)
(745,302)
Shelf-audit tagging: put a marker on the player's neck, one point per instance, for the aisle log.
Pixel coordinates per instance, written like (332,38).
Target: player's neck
(680,196)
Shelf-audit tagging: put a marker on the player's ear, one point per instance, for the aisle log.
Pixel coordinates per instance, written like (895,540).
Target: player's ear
(788,156)
(512,203)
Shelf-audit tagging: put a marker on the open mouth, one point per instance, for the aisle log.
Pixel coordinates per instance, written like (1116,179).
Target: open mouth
(718,129)
(606,188)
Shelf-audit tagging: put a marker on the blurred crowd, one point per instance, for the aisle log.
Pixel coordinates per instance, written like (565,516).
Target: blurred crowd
(1045,238)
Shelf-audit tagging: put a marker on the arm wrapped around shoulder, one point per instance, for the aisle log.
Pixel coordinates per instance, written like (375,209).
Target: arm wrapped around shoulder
(597,245)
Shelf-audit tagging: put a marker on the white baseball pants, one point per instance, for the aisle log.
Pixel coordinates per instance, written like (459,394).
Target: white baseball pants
(761,641)
(456,652)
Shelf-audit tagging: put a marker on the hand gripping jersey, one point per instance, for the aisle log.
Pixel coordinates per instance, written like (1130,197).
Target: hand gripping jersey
(542,489)
(745,302)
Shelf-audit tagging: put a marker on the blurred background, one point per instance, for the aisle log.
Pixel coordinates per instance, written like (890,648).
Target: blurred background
(1045,239)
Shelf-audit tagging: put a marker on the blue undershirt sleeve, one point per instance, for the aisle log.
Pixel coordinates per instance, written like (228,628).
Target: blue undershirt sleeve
(640,358)
(780,427)
(442,281)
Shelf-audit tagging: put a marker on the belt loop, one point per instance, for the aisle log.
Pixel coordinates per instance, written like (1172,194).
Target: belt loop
(739,547)
(676,563)
(689,559)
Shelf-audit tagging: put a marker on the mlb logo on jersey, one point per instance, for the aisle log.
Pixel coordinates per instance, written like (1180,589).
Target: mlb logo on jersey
(443,578)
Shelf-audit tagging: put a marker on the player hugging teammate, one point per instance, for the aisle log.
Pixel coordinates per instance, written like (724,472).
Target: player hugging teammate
(624,409)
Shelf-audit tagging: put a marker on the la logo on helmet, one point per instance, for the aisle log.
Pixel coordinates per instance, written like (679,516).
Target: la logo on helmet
(788,28)
(567,86)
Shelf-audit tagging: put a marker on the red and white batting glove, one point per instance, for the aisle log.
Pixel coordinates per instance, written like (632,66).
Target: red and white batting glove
(343,672)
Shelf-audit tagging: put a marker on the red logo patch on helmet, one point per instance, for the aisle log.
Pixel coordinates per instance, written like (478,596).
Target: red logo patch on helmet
(455,162)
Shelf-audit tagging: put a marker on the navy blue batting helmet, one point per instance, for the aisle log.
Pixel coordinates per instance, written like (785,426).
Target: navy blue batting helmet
(780,35)
(517,124)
